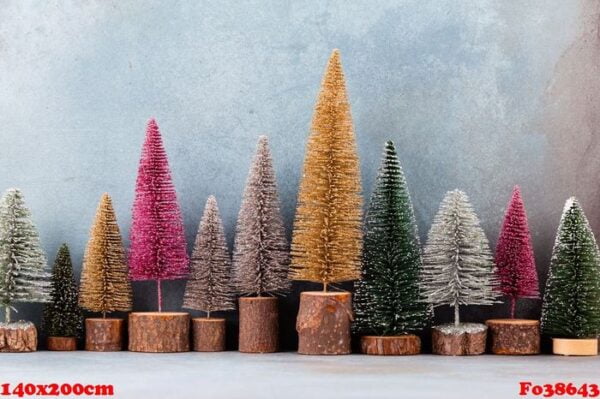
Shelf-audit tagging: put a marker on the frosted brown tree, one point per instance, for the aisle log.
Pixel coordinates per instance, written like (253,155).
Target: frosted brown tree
(209,286)
(261,254)
(105,286)
(327,237)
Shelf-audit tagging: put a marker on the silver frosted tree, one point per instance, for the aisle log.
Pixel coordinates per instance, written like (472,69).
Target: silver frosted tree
(261,256)
(23,266)
(209,284)
(458,267)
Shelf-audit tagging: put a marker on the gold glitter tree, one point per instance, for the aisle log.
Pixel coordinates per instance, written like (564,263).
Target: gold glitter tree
(105,285)
(327,237)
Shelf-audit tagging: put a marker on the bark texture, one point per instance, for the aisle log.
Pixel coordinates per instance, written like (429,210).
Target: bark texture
(208,334)
(259,325)
(159,332)
(61,343)
(464,339)
(391,345)
(323,323)
(18,337)
(104,335)
(514,336)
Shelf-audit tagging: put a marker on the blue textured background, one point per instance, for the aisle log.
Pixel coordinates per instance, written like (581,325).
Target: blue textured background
(465,89)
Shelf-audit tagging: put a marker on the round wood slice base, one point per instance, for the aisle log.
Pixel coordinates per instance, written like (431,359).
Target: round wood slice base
(514,336)
(392,346)
(19,336)
(61,343)
(464,339)
(259,324)
(575,347)
(323,323)
(104,335)
(159,332)
(209,334)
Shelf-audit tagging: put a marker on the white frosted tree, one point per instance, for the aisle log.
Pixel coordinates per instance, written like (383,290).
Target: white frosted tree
(458,267)
(261,256)
(23,265)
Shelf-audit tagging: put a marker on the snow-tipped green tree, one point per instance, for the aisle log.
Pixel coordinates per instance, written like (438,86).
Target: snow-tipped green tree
(458,267)
(387,298)
(23,266)
(63,316)
(571,306)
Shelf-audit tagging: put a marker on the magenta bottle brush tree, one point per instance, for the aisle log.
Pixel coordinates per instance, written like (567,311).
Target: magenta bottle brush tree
(515,263)
(158,247)
(517,278)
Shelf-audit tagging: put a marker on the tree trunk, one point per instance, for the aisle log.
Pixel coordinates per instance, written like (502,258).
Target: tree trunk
(209,334)
(392,345)
(61,343)
(159,332)
(104,335)
(514,336)
(323,323)
(464,339)
(259,325)
(20,336)
(575,347)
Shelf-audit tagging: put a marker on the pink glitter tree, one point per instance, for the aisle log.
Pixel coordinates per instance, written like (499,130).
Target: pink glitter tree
(158,247)
(514,255)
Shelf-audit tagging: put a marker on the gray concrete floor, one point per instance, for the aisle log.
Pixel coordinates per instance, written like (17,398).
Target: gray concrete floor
(288,375)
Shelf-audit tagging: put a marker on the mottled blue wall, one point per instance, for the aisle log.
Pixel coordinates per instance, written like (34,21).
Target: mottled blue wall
(463,88)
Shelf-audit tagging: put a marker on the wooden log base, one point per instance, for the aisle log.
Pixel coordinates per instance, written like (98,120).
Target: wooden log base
(61,343)
(259,324)
(464,339)
(209,334)
(514,336)
(104,335)
(392,346)
(575,347)
(19,336)
(323,323)
(159,332)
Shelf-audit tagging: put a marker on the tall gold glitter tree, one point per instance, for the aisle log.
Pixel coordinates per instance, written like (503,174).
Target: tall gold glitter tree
(105,285)
(327,237)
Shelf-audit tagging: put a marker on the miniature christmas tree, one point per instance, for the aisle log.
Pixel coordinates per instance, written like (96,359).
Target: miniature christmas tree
(209,288)
(158,247)
(105,286)
(571,306)
(387,298)
(261,255)
(515,263)
(457,262)
(63,316)
(327,237)
(22,261)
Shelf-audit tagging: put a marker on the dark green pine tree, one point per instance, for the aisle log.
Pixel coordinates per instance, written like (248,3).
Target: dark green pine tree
(571,307)
(63,316)
(387,298)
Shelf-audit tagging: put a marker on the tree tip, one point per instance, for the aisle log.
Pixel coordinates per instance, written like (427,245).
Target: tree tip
(571,202)
(263,139)
(212,200)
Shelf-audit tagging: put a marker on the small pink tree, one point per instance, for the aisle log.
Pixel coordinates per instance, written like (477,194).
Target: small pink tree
(514,255)
(158,247)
